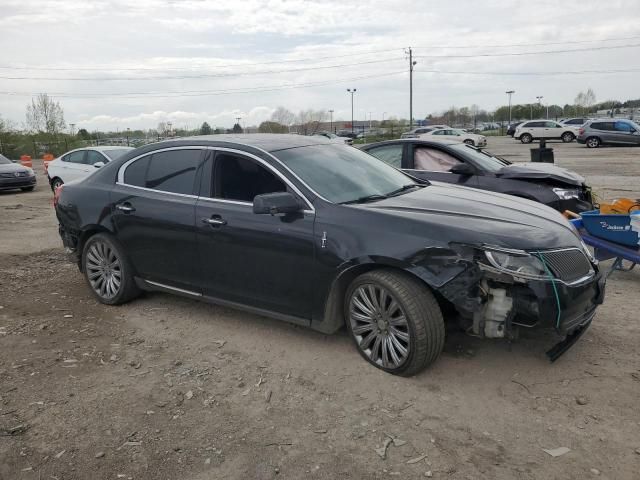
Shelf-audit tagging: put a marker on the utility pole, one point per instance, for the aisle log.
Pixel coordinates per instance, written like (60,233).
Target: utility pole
(72,125)
(331,121)
(128,131)
(411,65)
(169,125)
(351,91)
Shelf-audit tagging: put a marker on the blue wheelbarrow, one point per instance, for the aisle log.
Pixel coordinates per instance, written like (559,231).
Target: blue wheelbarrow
(611,236)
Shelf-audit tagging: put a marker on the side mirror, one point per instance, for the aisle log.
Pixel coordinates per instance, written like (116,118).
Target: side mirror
(463,169)
(273,203)
(98,164)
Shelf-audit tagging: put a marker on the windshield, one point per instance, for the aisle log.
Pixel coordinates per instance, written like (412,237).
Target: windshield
(342,173)
(113,154)
(4,160)
(484,159)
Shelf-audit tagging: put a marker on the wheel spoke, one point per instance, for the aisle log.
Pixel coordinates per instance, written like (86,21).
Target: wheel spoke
(400,321)
(364,296)
(358,303)
(375,350)
(373,297)
(366,341)
(385,352)
(94,274)
(394,349)
(361,329)
(398,334)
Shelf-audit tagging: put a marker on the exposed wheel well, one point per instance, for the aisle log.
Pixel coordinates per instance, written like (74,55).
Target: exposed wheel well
(334,307)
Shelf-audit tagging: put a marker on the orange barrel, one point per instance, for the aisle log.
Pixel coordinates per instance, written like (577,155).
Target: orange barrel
(25,160)
(46,158)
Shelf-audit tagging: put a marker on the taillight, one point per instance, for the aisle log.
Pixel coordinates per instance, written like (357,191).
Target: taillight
(56,195)
(581,131)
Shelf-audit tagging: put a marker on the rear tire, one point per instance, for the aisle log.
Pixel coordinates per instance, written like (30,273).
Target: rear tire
(526,138)
(592,142)
(568,137)
(55,183)
(27,189)
(394,321)
(108,271)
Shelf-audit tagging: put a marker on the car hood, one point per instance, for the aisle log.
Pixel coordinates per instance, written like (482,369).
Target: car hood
(12,167)
(468,215)
(541,171)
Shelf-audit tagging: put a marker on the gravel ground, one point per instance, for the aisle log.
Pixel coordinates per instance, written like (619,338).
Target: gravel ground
(168,388)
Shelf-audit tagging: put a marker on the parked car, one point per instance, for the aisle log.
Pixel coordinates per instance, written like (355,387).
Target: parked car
(335,138)
(420,130)
(14,176)
(80,163)
(511,129)
(456,135)
(527,132)
(574,122)
(453,162)
(609,132)
(325,236)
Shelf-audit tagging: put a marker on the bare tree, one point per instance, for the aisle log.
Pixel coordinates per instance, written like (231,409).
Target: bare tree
(309,121)
(585,100)
(162,128)
(283,116)
(44,115)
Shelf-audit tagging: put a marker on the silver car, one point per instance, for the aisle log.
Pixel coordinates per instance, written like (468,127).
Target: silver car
(609,132)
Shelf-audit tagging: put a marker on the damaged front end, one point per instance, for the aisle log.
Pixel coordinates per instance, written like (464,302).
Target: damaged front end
(502,290)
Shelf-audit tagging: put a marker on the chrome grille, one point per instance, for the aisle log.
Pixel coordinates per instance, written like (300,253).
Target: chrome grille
(567,265)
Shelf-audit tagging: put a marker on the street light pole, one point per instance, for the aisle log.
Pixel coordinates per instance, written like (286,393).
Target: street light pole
(539,98)
(351,91)
(331,116)
(510,92)
(128,131)
(411,65)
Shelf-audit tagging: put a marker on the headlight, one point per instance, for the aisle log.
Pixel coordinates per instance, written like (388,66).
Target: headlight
(30,172)
(567,194)
(524,265)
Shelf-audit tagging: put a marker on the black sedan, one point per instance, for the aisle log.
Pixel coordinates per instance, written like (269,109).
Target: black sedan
(511,129)
(454,162)
(14,176)
(323,235)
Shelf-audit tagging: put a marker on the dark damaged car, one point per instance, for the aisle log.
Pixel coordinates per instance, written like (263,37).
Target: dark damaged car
(325,236)
(460,164)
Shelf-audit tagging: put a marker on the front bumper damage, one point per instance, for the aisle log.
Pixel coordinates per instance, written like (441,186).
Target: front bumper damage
(494,304)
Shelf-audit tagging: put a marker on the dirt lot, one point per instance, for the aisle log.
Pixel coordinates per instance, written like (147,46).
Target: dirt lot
(168,388)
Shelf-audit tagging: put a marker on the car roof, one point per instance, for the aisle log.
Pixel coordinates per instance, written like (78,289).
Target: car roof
(434,143)
(109,147)
(269,142)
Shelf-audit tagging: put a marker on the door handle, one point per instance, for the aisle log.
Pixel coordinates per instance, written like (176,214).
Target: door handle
(214,221)
(125,207)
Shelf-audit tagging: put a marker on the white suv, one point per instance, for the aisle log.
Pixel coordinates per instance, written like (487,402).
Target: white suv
(527,132)
(81,163)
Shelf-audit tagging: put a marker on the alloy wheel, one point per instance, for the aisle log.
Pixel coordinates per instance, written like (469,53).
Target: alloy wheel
(379,326)
(567,138)
(593,142)
(104,270)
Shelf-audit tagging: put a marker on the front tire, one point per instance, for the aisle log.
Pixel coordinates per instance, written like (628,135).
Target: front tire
(592,142)
(526,138)
(395,322)
(108,271)
(568,137)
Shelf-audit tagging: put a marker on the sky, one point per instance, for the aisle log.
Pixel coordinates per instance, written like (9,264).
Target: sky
(118,64)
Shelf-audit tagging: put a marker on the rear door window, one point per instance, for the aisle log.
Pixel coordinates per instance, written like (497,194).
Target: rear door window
(607,126)
(391,154)
(136,173)
(173,171)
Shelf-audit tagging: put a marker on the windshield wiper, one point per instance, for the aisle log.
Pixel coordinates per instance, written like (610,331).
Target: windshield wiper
(404,188)
(366,198)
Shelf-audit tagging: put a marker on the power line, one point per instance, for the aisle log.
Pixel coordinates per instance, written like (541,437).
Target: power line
(136,69)
(544,52)
(213,75)
(202,93)
(572,42)
(564,72)
(306,59)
